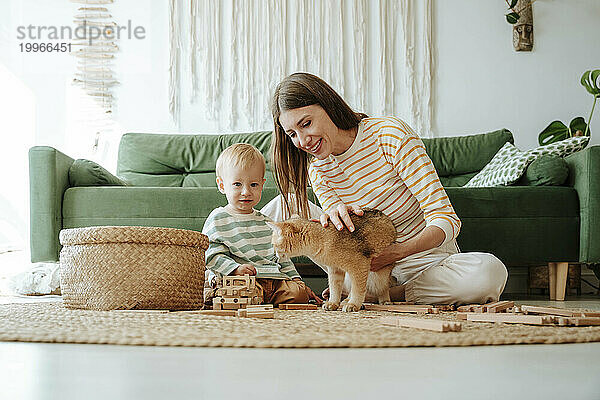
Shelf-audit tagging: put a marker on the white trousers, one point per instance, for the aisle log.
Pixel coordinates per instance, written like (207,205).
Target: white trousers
(442,275)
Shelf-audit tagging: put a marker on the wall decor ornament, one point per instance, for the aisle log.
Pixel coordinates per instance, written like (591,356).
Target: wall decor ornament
(521,17)
(94,70)
(366,49)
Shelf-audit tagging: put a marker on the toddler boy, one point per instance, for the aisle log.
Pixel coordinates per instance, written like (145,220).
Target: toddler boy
(240,240)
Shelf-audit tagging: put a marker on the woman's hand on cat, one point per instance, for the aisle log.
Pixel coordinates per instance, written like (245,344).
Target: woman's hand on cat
(245,269)
(340,216)
(388,256)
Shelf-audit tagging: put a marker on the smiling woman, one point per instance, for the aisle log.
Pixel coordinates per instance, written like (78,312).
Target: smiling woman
(354,162)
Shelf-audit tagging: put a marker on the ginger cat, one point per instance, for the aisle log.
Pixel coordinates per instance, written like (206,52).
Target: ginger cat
(342,252)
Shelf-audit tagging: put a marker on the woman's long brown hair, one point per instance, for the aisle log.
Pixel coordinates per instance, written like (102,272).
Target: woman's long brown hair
(290,165)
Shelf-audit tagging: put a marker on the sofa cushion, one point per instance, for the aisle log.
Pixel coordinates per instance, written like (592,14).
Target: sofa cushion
(88,173)
(147,159)
(460,155)
(546,170)
(505,168)
(562,148)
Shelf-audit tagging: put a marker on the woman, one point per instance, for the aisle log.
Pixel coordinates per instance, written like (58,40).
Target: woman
(354,162)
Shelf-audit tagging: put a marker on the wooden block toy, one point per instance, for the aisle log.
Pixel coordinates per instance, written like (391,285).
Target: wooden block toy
(511,318)
(563,312)
(408,308)
(499,306)
(219,313)
(420,323)
(445,307)
(462,315)
(468,308)
(298,307)
(578,321)
(547,311)
(230,303)
(249,313)
(259,306)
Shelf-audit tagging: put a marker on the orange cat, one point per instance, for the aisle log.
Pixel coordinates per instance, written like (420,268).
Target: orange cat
(342,252)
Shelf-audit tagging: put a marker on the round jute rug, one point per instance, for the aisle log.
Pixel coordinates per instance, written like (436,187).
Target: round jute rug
(52,322)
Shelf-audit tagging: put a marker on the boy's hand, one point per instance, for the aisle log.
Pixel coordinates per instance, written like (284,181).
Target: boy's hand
(311,294)
(245,269)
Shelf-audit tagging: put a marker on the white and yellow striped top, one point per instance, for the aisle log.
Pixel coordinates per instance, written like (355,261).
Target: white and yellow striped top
(387,168)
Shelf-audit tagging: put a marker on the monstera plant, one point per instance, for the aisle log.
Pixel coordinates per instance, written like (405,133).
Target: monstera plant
(557,131)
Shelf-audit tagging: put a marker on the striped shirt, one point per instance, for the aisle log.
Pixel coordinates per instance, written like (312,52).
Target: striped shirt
(387,168)
(236,239)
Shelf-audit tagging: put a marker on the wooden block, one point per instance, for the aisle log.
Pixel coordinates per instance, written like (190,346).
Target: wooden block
(511,318)
(298,307)
(445,307)
(264,307)
(220,313)
(578,321)
(587,314)
(420,323)
(462,315)
(514,310)
(548,311)
(468,308)
(500,306)
(417,309)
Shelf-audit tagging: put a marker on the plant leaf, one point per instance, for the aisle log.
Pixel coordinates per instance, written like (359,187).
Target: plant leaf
(590,82)
(577,124)
(553,133)
(512,17)
(513,3)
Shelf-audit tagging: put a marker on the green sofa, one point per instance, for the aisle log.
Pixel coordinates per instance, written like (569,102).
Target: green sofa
(173,185)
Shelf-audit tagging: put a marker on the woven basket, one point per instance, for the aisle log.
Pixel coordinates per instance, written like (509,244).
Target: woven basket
(132,267)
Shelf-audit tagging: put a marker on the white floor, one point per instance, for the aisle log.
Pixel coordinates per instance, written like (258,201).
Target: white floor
(71,371)
(65,371)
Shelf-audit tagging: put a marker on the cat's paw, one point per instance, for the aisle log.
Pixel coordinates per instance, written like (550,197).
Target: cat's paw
(386,303)
(350,307)
(330,306)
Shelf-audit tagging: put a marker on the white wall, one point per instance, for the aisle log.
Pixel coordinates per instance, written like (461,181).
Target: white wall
(481,83)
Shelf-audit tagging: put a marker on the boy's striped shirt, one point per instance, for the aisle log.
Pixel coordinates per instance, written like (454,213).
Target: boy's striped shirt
(236,239)
(387,168)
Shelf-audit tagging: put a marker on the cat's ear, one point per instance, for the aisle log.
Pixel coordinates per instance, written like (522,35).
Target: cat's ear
(274,226)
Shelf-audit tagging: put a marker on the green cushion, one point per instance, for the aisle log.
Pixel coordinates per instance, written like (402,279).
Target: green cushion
(460,155)
(547,170)
(88,173)
(147,159)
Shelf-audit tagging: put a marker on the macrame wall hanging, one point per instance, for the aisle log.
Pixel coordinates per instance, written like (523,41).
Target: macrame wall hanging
(265,40)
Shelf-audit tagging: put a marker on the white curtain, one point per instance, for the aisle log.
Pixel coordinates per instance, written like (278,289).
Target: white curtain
(375,53)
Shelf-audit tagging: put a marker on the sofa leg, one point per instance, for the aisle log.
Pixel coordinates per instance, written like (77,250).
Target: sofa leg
(557,277)
(552,280)
(562,270)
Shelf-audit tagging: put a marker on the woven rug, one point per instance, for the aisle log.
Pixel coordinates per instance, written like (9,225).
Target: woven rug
(52,322)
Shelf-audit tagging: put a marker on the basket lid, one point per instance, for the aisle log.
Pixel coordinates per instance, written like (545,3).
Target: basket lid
(133,234)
